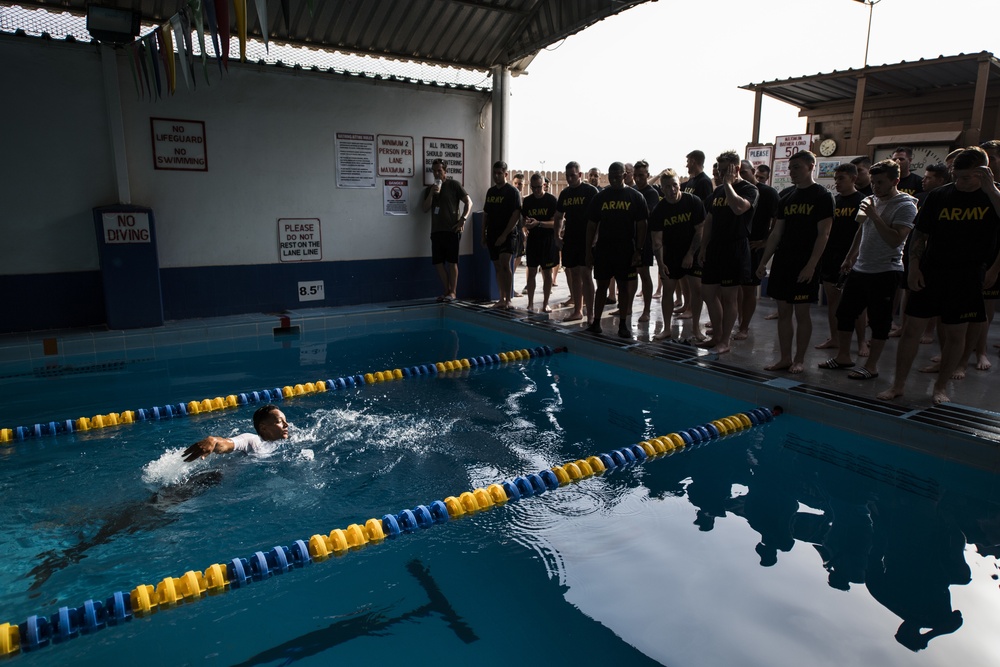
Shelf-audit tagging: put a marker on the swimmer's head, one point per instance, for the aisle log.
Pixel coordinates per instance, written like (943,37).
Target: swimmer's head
(270,423)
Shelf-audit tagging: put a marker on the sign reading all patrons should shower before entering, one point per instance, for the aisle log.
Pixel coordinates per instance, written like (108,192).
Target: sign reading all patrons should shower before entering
(299,240)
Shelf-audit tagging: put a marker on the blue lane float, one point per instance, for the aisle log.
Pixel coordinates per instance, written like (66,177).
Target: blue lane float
(262,396)
(70,622)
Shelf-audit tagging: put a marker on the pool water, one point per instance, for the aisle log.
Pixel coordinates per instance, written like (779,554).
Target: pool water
(785,544)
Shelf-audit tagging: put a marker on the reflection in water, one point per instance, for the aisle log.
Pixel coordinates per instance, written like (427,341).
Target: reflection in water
(153,513)
(900,533)
(367,623)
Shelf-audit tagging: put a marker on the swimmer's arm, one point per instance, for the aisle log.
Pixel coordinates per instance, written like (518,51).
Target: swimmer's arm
(210,445)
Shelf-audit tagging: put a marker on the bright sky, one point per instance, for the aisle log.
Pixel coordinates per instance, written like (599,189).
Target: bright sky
(666,75)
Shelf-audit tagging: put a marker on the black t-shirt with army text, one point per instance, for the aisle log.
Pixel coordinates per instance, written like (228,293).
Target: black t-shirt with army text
(616,211)
(501,202)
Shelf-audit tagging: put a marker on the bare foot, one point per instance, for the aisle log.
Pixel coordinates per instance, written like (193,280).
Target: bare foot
(499,305)
(863,349)
(720,349)
(574,316)
(663,335)
(531,307)
(927,339)
(889,394)
(781,365)
(742,334)
(895,332)
(983,364)
(700,337)
(615,313)
(683,313)
(566,304)
(828,344)
(933,368)
(706,343)
(644,317)
(797,367)
(936,358)
(771,316)
(959,373)
(940,397)
(546,308)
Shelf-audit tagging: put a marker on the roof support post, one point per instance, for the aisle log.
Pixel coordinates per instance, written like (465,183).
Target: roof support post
(501,117)
(758,99)
(859,110)
(116,124)
(974,134)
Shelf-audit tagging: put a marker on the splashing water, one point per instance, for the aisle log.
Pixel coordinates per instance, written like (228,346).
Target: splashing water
(170,468)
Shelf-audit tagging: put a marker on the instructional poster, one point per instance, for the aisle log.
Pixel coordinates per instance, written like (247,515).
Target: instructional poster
(450,150)
(395,155)
(355,160)
(396,194)
(299,240)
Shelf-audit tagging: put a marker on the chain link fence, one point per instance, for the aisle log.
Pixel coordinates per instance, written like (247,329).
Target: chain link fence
(73,27)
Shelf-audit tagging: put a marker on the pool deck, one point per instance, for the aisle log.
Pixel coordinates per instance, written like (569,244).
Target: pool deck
(966,430)
(760,349)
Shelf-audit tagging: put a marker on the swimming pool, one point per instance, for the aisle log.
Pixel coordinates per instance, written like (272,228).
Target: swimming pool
(784,544)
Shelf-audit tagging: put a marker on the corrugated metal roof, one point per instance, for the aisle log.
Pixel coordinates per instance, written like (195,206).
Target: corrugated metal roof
(477,34)
(905,78)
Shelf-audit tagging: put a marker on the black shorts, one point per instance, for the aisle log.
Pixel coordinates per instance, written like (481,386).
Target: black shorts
(783,284)
(672,262)
(614,262)
(519,241)
(505,247)
(956,299)
(829,271)
(574,251)
(992,292)
(872,291)
(727,263)
(541,250)
(648,259)
(444,247)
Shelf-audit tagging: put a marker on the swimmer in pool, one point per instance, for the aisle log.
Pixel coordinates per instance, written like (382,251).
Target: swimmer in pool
(268,421)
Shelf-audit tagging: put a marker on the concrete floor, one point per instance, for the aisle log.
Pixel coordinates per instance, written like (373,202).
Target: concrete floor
(761,349)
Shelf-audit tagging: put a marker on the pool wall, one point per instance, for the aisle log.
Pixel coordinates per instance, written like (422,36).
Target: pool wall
(217,228)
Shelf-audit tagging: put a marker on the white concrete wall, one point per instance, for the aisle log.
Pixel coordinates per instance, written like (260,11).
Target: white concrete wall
(56,162)
(270,141)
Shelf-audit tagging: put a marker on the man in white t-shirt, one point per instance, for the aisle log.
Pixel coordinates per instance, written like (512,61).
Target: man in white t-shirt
(268,421)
